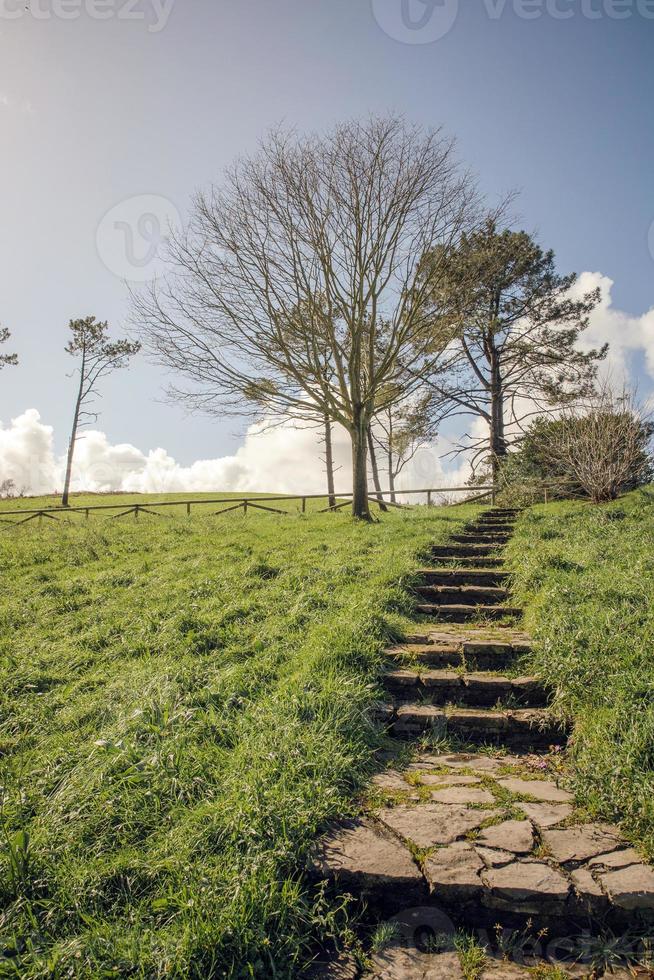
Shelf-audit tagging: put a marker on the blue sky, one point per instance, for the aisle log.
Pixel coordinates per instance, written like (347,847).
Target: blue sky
(155,99)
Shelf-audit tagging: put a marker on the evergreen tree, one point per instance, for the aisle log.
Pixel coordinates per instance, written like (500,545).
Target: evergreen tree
(98,356)
(6,358)
(517,326)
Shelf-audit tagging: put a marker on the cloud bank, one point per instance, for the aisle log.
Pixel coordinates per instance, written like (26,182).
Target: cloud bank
(276,459)
(280,458)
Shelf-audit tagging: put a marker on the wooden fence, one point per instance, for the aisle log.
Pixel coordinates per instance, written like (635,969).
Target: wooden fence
(14,518)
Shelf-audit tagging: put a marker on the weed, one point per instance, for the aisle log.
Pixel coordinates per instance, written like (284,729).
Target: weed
(472,955)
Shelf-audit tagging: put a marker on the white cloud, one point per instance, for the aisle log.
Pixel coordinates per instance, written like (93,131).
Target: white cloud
(276,459)
(6,102)
(26,454)
(629,336)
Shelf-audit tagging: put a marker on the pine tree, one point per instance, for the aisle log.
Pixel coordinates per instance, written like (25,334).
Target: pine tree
(6,358)
(98,356)
(517,325)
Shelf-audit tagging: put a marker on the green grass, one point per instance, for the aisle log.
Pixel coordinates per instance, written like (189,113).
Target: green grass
(586,576)
(184,704)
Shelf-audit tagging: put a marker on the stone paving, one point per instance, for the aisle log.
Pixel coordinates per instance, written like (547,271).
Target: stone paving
(486,836)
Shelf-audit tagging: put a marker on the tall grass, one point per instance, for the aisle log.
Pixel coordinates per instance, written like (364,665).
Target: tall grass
(184,704)
(586,575)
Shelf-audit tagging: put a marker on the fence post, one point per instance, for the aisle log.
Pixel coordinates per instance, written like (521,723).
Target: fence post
(546,498)
(429,498)
(87,513)
(304,505)
(188,509)
(136,512)
(245,508)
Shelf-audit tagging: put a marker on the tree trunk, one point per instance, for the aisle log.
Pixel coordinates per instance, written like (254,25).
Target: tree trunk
(391,477)
(497,437)
(73,438)
(329,463)
(391,472)
(375,471)
(360,506)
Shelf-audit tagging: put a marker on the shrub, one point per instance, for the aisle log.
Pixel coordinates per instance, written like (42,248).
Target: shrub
(598,449)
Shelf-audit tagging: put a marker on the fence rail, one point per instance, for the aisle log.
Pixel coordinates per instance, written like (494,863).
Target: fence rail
(20,516)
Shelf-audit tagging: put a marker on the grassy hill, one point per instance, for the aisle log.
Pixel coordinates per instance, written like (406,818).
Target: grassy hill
(586,576)
(184,702)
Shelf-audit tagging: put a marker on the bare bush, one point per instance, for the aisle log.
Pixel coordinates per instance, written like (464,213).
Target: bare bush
(7,489)
(604,444)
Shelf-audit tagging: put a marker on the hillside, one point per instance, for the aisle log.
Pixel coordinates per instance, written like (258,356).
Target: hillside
(184,702)
(187,704)
(586,577)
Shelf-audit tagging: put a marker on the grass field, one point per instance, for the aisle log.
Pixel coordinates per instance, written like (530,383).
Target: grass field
(586,575)
(184,703)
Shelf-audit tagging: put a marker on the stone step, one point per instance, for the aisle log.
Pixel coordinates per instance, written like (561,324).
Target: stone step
(464,576)
(462,613)
(481,562)
(501,527)
(458,551)
(466,595)
(443,656)
(498,538)
(514,727)
(433,656)
(474,655)
(496,518)
(442,687)
(484,839)
(402,960)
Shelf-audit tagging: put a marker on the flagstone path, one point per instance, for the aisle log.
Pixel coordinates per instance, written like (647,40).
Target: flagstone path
(487,838)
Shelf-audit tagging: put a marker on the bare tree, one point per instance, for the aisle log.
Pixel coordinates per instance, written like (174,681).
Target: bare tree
(277,293)
(516,354)
(400,430)
(7,489)
(98,356)
(6,358)
(603,444)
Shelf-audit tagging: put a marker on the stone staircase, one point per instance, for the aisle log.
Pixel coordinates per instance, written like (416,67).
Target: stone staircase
(482,834)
